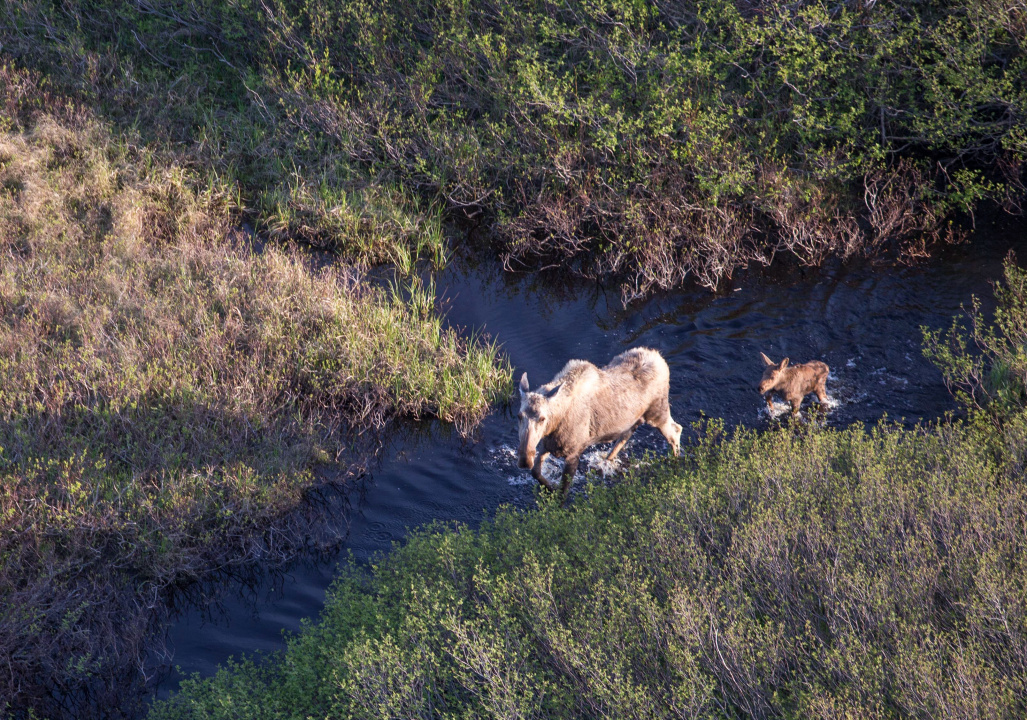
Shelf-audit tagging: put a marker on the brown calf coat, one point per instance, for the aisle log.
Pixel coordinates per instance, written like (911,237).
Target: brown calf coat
(793,383)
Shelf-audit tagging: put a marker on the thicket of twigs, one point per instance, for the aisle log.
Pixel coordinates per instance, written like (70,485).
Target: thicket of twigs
(645,142)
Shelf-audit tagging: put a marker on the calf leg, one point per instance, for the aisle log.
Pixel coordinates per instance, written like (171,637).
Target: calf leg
(821,392)
(567,481)
(622,441)
(536,471)
(795,402)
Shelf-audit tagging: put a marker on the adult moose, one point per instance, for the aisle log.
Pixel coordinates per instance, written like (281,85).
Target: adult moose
(584,405)
(793,383)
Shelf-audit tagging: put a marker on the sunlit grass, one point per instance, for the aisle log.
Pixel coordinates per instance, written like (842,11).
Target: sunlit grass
(166,391)
(370,225)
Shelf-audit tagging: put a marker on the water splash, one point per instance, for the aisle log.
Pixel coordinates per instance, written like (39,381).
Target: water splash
(779,408)
(504,458)
(596,460)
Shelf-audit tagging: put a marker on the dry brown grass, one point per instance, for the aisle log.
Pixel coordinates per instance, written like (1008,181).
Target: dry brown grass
(165,391)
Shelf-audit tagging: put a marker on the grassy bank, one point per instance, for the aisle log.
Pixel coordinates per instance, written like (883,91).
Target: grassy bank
(649,142)
(181,79)
(166,392)
(817,574)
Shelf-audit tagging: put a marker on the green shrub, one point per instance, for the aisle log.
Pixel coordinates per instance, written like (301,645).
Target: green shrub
(985,366)
(819,573)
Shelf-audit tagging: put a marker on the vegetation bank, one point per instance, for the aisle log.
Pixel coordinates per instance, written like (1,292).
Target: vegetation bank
(801,572)
(167,392)
(644,142)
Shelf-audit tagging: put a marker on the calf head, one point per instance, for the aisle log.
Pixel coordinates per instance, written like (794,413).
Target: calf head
(533,421)
(773,373)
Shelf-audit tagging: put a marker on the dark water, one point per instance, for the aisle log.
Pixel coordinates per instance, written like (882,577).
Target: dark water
(863,321)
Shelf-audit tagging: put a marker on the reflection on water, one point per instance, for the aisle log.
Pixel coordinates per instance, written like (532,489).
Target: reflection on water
(864,322)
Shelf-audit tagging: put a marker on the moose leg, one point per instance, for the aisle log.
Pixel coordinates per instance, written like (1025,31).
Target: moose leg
(796,402)
(622,441)
(569,469)
(536,471)
(672,432)
(769,397)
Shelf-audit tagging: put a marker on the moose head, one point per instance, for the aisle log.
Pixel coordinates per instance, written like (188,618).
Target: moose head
(773,374)
(533,421)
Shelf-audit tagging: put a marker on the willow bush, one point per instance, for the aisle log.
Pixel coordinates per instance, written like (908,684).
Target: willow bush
(828,573)
(985,363)
(656,140)
(644,141)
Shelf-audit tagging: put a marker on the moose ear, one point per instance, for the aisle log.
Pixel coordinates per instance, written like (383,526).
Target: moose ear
(553,391)
(766,360)
(784,363)
(524,387)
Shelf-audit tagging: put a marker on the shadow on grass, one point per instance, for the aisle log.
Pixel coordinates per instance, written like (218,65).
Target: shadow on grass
(114,521)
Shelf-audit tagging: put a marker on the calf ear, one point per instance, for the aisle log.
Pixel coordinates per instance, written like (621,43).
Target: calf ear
(784,363)
(553,391)
(524,387)
(766,360)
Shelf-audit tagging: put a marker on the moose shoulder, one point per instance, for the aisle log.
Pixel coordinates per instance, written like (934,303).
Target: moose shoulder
(793,383)
(584,405)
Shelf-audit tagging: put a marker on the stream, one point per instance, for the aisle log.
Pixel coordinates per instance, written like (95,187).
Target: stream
(862,319)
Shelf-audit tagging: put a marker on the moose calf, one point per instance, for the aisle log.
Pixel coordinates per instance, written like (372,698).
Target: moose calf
(793,383)
(584,405)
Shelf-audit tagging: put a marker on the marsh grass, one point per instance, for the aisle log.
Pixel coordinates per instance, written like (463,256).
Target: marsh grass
(811,573)
(379,225)
(166,393)
(177,80)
